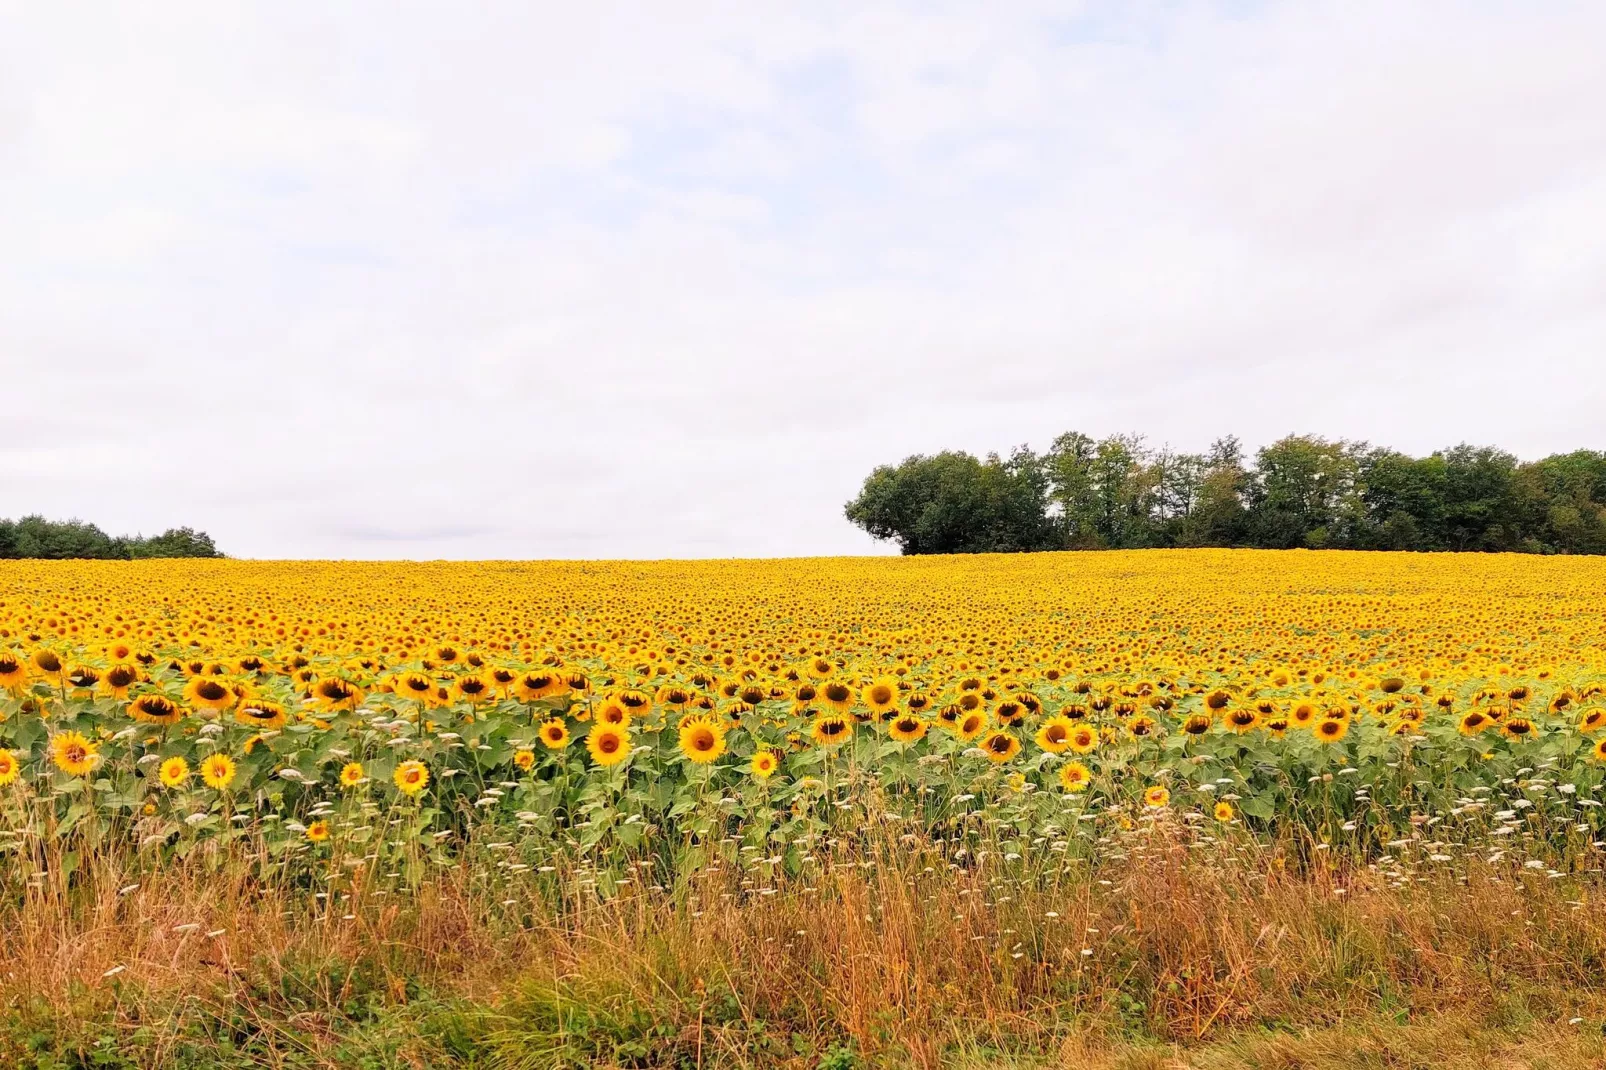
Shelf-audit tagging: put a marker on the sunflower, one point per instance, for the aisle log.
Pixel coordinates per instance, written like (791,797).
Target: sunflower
(1472,722)
(971,725)
(47,664)
(1156,797)
(1197,724)
(351,774)
(504,678)
(637,703)
(524,758)
(209,693)
(764,764)
(1142,726)
(155,709)
(1592,719)
(829,729)
(881,697)
(1000,746)
(472,688)
(1224,811)
(1598,750)
(1243,720)
(173,772)
(820,668)
(9,769)
(1331,729)
(13,670)
(676,697)
(414,685)
(907,728)
(608,744)
(613,712)
(117,680)
(83,677)
(411,777)
(918,702)
(1009,712)
(318,831)
(702,741)
(1054,734)
(261,714)
(554,733)
(804,697)
(1084,738)
(218,771)
(1517,728)
(537,685)
(332,693)
(837,695)
(1074,777)
(73,753)
(1303,715)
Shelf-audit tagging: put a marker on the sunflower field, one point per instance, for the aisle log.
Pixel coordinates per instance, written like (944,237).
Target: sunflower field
(673,711)
(601,732)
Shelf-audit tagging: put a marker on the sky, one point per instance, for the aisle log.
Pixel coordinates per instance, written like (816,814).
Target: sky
(557,280)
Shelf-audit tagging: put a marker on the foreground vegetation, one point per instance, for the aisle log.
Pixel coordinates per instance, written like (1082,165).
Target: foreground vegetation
(1029,811)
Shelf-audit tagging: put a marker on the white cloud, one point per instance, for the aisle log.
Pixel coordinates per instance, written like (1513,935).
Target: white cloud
(516,280)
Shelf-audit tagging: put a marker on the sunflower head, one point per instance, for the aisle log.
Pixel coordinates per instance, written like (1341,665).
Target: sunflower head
(608,744)
(411,777)
(702,741)
(218,771)
(1074,777)
(1000,746)
(155,709)
(764,764)
(906,728)
(173,772)
(1331,729)
(73,753)
(554,733)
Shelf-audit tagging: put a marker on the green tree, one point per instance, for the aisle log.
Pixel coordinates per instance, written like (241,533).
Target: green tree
(953,503)
(36,537)
(174,542)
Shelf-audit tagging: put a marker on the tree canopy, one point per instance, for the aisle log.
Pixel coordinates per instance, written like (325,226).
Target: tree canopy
(1300,491)
(36,537)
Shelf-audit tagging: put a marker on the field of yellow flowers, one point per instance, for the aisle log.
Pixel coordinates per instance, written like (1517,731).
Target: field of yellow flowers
(587,734)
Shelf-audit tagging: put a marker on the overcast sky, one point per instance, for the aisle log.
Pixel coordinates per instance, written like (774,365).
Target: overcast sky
(667,279)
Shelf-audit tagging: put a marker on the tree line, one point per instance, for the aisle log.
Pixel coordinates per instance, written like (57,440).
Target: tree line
(1301,491)
(36,537)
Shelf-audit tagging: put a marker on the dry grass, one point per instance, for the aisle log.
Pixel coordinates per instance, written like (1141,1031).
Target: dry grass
(1219,960)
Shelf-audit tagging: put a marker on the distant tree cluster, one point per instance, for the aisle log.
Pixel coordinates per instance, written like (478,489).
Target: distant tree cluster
(36,537)
(1302,491)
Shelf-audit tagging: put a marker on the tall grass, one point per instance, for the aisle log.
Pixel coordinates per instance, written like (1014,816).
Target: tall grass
(889,952)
